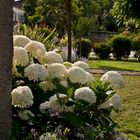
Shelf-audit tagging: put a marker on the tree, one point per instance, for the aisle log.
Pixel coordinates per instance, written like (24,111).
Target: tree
(119,11)
(29,6)
(68,7)
(125,11)
(52,12)
(6,50)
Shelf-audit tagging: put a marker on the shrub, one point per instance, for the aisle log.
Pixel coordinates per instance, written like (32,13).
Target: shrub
(102,50)
(132,25)
(84,47)
(121,46)
(52,102)
(136,46)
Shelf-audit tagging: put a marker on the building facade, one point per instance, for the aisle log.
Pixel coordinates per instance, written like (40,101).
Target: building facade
(18,13)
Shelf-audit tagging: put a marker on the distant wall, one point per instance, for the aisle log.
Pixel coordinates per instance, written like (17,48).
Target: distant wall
(100,36)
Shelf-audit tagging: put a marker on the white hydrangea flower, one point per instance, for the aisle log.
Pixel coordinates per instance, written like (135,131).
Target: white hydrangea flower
(77,75)
(44,106)
(22,97)
(55,106)
(20,56)
(14,36)
(26,114)
(36,49)
(115,79)
(114,101)
(21,40)
(82,65)
(51,57)
(46,85)
(90,78)
(54,97)
(86,94)
(57,70)
(64,83)
(48,136)
(36,72)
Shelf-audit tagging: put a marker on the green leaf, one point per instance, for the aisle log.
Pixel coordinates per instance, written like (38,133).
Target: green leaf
(20,69)
(70,92)
(73,119)
(35,60)
(69,103)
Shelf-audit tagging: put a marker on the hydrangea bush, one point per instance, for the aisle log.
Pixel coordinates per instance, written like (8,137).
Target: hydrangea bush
(54,102)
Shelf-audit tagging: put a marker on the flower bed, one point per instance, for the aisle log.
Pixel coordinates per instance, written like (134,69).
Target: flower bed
(54,102)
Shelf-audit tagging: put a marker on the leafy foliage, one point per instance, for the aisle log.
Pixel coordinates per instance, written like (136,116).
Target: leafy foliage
(102,50)
(93,11)
(133,25)
(125,11)
(83,47)
(84,26)
(136,46)
(38,33)
(121,46)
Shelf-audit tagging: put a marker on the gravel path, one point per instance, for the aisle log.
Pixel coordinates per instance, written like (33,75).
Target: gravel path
(123,72)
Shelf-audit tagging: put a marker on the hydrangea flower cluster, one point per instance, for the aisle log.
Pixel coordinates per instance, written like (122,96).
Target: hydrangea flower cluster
(57,105)
(79,75)
(86,94)
(59,97)
(51,57)
(57,70)
(114,78)
(20,40)
(22,97)
(36,72)
(82,65)
(20,56)
(35,49)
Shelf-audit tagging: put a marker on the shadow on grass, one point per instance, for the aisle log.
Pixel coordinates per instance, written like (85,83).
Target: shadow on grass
(132,132)
(113,68)
(115,60)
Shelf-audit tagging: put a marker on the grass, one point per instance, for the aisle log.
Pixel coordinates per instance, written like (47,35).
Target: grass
(114,65)
(129,115)
(128,118)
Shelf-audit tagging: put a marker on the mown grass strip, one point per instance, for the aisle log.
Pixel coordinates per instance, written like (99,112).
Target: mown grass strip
(114,65)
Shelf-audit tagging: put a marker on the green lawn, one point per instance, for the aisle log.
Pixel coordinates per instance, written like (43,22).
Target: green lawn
(128,118)
(129,115)
(114,65)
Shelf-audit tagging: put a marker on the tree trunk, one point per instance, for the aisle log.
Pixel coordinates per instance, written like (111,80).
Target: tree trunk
(68,8)
(6,51)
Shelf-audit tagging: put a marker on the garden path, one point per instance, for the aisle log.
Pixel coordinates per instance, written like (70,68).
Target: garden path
(123,72)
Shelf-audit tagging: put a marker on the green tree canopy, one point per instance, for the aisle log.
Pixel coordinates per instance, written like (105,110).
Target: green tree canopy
(126,12)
